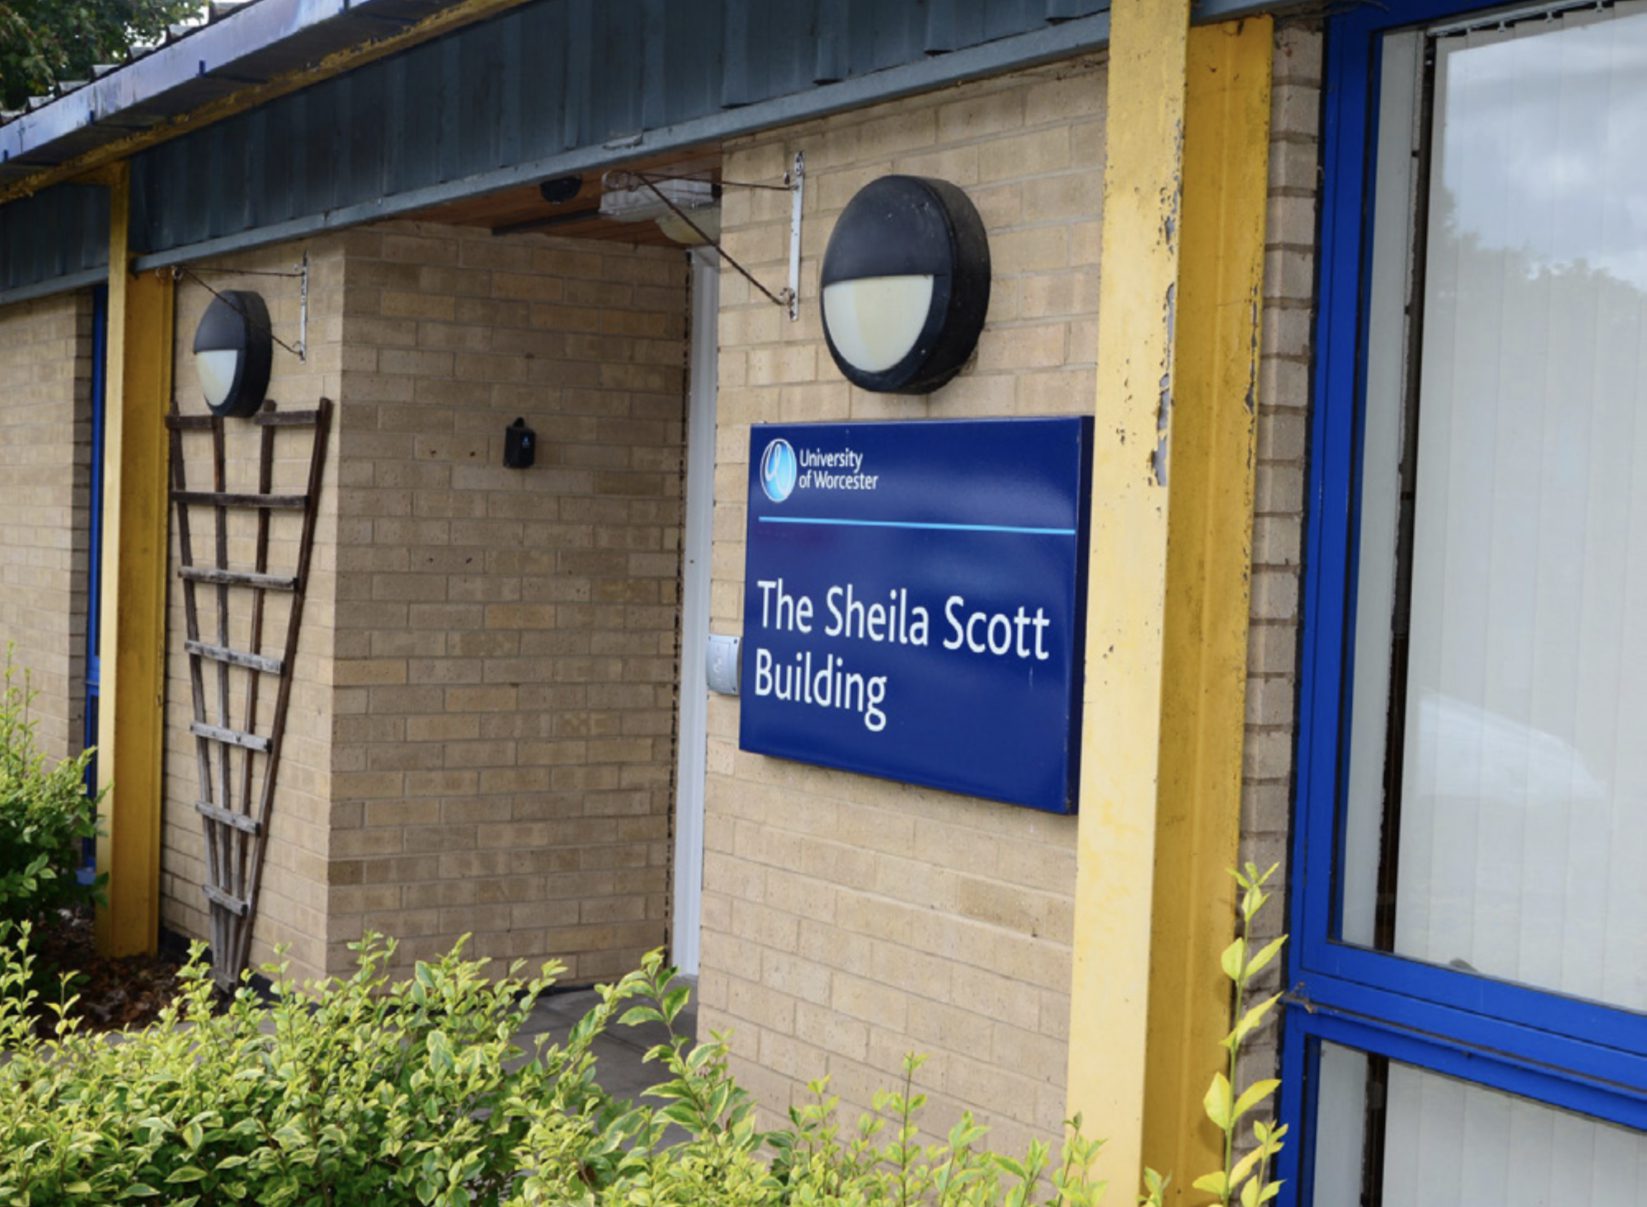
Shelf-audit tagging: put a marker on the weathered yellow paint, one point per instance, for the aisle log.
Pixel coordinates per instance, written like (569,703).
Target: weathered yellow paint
(85,167)
(1120,750)
(1179,306)
(1209,555)
(131,724)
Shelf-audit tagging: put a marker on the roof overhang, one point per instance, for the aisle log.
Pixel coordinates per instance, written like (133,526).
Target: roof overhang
(244,53)
(329,174)
(236,60)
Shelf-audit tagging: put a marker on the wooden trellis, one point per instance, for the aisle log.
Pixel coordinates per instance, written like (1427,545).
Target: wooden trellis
(237,764)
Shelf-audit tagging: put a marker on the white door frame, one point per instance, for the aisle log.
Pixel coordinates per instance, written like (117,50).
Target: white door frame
(692,723)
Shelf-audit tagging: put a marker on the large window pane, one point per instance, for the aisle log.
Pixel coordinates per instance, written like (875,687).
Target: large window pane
(1498,779)
(1394,1135)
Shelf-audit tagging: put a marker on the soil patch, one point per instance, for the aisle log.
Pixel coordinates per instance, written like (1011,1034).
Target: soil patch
(114,993)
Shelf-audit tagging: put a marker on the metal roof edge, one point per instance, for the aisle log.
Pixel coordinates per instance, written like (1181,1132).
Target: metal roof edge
(1205,12)
(1054,41)
(336,56)
(213,47)
(62,284)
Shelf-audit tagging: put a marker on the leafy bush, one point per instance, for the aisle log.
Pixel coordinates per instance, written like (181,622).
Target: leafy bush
(363,1091)
(1244,1177)
(722,1161)
(44,816)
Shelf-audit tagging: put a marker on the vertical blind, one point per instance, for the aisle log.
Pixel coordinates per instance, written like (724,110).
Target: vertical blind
(1506,772)
(1523,726)
(1452,1144)
(1524,796)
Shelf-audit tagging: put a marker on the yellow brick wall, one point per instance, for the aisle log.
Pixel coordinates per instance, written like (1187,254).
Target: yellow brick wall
(506,639)
(849,920)
(45,461)
(291,908)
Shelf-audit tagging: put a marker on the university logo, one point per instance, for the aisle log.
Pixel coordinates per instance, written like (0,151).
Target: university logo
(779,470)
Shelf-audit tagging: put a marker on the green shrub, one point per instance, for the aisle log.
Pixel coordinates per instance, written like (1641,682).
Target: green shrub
(367,1091)
(361,1091)
(1244,1177)
(44,816)
(726,1160)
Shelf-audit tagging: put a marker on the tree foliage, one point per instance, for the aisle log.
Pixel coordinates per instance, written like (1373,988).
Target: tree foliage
(45,41)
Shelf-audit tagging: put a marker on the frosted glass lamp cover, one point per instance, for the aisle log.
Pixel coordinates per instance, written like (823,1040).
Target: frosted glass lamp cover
(877,321)
(232,352)
(216,369)
(905,285)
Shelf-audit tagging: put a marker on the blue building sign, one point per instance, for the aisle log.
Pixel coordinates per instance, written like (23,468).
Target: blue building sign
(915,601)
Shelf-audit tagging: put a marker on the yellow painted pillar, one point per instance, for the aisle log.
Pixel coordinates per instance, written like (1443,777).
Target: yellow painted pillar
(131,723)
(1132,465)
(1181,274)
(1209,556)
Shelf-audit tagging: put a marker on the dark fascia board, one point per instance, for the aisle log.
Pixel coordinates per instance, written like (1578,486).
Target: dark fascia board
(1082,35)
(216,47)
(81,279)
(1079,36)
(242,35)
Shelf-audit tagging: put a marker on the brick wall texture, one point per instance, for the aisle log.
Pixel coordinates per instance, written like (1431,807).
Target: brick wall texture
(292,905)
(481,735)
(1283,436)
(506,639)
(848,921)
(45,462)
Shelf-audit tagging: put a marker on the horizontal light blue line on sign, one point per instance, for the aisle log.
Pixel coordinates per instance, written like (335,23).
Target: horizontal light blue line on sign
(800,519)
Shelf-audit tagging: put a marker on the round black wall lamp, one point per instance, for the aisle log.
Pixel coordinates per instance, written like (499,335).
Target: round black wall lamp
(905,284)
(232,349)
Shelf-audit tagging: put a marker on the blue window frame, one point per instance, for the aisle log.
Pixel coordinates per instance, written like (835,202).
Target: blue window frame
(1571,1053)
(94,561)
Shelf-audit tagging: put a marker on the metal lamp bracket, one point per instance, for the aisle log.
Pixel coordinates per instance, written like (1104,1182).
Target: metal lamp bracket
(794,183)
(300,271)
(796,180)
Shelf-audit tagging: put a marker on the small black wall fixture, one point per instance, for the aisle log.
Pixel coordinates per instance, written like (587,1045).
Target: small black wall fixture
(232,350)
(905,284)
(520,445)
(561,189)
